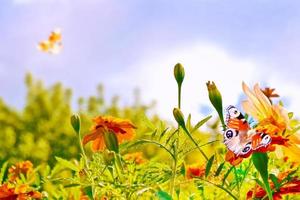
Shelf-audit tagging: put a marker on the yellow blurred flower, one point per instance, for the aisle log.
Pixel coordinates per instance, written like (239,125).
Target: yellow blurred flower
(136,157)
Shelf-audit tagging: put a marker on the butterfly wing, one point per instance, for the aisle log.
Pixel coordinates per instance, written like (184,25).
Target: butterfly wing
(235,119)
(260,139)
(236,136)
(53,45)
(236,142)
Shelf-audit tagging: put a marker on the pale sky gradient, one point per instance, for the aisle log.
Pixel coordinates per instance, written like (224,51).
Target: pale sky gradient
(133,43)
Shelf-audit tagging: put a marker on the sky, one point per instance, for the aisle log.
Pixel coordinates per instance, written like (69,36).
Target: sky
(128,44)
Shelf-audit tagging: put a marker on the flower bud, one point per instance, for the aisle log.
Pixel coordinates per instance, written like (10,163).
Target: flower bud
(215,98)
(179,73)
(108,156)
(111,141)
(75,122)
(178,117)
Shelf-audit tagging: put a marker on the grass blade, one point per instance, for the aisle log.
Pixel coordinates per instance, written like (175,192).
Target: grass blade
(209,165)
(200,123)
(260,161)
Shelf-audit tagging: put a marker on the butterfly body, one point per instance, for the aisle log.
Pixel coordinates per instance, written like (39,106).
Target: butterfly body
(239,137)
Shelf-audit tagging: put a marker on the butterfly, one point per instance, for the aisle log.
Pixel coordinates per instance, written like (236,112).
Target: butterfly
(239,137)
(53,44)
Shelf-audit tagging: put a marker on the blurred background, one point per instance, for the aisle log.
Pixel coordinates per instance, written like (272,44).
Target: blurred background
(130,48)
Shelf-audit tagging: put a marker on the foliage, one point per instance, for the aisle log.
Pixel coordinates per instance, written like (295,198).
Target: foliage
(163,161)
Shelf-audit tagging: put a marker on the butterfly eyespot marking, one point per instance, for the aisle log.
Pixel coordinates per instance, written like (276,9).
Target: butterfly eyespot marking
(265,139)
(234,112)
(247,148)
(229,133)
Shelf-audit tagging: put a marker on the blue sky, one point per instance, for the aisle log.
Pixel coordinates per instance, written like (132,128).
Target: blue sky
(128,44)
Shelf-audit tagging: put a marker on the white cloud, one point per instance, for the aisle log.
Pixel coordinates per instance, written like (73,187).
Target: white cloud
(202,62)
(153,74)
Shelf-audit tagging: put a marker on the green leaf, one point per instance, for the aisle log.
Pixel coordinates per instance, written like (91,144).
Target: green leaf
(147,122)
(144,141)
(274,179)
(67,164)
(193,140)
(182,169)
(200,123)
(177,190)
(72,185)
(162,195)
(219,169)
(188,122)
(89,192)
(2,172)
(290,114)
(208,165)
(260,161)
(281,103)
(163,133)
(226,175)
(261,184)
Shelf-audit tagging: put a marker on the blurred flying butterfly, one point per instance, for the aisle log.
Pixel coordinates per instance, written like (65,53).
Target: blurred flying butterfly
(239,137)
(53,44)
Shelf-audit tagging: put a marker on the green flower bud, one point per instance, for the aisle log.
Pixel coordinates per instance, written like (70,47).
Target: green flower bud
(108,156)
(179,73)
(215,98)
(178,117)
(75,122)
(111,141)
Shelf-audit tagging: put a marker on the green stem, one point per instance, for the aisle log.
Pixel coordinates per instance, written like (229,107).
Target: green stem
(173,177)
(82,151)
(221,187)
(179,96)
(175,149)
(86,163)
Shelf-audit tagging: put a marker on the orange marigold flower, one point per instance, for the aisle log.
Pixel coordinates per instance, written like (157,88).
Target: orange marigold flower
(123,129)
(193,171)
(24,168)
(136,157)
(269,92)
(21,192)
(287,186)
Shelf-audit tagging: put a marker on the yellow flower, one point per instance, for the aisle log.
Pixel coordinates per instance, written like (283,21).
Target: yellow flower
(123,129)
(273,119)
